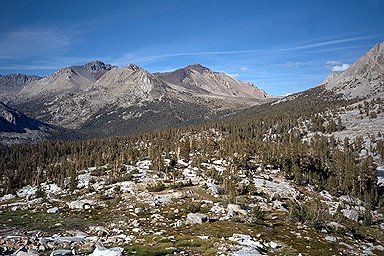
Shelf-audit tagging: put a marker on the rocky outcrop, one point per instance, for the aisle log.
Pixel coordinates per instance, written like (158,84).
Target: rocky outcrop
(365,78)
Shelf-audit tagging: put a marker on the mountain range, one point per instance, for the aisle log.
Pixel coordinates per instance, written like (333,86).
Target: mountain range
(103,99)
(99,99)
(13,83)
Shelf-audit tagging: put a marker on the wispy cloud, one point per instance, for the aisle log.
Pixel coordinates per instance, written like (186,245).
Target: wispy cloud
(149,56)
(337,65)
(341,67)
(145,57)
(326,43)
(49,64)
(235,76)
(33,41)
(29,67)
(298,64)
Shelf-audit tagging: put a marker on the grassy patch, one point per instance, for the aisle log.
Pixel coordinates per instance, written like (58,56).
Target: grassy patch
(157,187)
(51,223)
(183,243)
(24,219)
(139,250)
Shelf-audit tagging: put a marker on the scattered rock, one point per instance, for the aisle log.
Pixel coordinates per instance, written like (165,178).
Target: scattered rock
(101,231)
(136,230)
(196,218)
(235,209)
(213,188)
(62,252)
(368,252)
(53,210)
(346,245)
(83,204)
(156,220)
(249,246)
(178,223)
(378,247)
(217,209)
(102,251)
(138,210)
(351,214)
(29,253)
(7,197)
(26,191)
(135,223)
(331,238)
(85,247)
(350,200)
(273,245)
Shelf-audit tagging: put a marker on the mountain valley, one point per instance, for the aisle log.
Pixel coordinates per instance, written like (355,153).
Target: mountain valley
(210,165)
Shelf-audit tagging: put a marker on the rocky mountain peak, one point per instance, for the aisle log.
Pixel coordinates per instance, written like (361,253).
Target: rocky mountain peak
(134,67)
(197,67)
(377,49)
(13,83)
(97,65)
(202,80)
(15,80)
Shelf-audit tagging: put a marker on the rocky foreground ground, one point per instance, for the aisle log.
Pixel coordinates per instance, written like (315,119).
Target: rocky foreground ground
(147,212)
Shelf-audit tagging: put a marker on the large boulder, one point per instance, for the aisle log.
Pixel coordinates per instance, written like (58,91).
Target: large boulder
(331,239)
(217,209)
(213,188)
(102,251)
(53,210)
(83,204)
(351,214)
(29,253)
(61,252)
(235,209)
(196,218)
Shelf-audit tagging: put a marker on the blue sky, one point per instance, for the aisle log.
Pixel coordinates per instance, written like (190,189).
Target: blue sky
(281,46)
